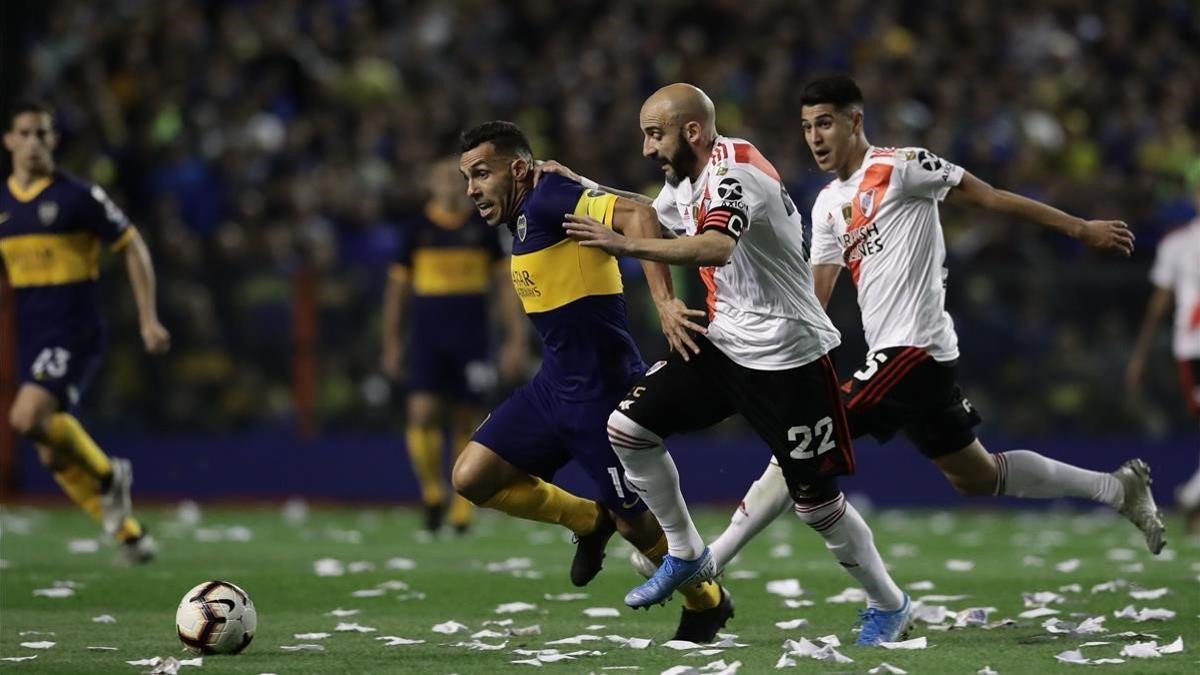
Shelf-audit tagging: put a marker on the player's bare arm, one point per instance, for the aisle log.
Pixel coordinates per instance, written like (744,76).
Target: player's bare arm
(1156,310)
(824,279)
(638,221)
(395,299)
(551,166)
(141,276)
(514,350)
(707,249)
(1101,234)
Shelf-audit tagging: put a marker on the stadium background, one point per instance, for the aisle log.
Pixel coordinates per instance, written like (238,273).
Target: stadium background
(269,150)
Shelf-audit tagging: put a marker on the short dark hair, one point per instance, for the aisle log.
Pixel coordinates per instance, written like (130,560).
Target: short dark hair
(838,89)
(506,136)
(28,105)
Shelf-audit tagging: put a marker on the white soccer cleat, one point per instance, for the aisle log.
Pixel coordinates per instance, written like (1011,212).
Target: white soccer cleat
(116,504)
(1138,505)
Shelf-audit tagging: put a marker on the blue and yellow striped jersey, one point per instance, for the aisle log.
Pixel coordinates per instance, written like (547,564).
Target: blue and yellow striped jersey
(50,238)
(449,258)
(572,294)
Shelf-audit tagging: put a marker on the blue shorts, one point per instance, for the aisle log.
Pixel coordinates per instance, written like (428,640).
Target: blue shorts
(538,433)
(62,362)
(454,366)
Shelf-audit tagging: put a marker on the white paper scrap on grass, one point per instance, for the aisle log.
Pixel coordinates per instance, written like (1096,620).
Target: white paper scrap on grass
(921,586)
(849,595)
(1042,598)
(929,613)
(397,641)
(575,640)
(1068,565)
(681,645)
(351,627)
(329,567)
(101,648)
(1109,586)
(1070,588)
(600,612)
(1144,614)
(1037,613)
(57,592)
(152,661)
(18,659)
(792,624)
(1032,561)
(792,603)
(785,588)
(392,585)
(986,670)
(509,564)
(40,644)
(721,668)
(360,566)
(940,598)
(960,565)
(400,564)
(565,597)
(83,546)
(369,593)
(781,550)
(886,667)
(1148,594)
(515,607)
(104,618)
(480,646)
(915,643)
(450,628)
(302,648)
(311,636)
(342,613)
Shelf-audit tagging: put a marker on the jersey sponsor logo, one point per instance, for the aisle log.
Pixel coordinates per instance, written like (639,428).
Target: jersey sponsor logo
(524,284)
(929,161)
(862,242)
(522,227)
(729,189)
(47,212)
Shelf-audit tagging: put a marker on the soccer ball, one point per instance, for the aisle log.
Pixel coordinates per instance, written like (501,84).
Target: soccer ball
(216,617)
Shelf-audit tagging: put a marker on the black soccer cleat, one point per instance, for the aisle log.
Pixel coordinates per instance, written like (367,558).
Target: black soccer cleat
(589,550)
(701,626)
(434,515)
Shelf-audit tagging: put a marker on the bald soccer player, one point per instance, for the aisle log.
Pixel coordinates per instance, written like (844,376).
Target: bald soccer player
(764,354)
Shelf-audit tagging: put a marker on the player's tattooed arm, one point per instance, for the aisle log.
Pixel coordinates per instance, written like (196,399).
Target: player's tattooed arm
(639,221)
(551,166)
(1102,234)
(707,249)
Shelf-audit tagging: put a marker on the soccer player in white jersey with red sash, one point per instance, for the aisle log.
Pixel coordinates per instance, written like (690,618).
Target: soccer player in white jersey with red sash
(764,355)
(1176,279)
(879,218)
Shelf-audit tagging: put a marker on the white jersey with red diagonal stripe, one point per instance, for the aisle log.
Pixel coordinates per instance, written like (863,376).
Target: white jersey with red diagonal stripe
(1177,269)
(762,310)
(882,223)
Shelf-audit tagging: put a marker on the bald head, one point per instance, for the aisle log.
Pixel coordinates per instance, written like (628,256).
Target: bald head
(680,104)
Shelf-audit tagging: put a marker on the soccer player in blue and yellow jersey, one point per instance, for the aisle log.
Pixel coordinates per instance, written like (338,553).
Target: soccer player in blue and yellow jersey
(574,297)
(438,289)
(52,227)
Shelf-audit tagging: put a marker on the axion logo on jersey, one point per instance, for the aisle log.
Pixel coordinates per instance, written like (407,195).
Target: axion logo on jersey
(929,161)
(729,190)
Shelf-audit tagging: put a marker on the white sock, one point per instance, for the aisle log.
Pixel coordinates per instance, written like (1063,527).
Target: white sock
(651,472)
(1024,473)
(849,538)
(767,498)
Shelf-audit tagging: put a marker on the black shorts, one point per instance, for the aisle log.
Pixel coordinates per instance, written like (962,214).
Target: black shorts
(798,411)
(903,388)
(1189,379)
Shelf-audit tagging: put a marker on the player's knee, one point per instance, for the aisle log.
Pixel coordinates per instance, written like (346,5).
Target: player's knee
(24,420)
(627,435)
(470,480)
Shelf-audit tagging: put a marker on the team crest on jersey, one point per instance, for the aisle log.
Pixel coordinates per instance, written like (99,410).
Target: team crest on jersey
(866,202)
(522,227)
(47,212)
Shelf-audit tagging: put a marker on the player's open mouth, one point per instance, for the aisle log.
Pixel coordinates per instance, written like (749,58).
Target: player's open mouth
(484,208)
(822,154)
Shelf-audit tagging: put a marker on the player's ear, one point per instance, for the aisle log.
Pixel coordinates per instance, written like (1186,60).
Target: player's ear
(856,120)
(691,131)
(520,168)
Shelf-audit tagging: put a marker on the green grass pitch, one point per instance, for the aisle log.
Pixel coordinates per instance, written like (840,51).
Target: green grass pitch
(276,566)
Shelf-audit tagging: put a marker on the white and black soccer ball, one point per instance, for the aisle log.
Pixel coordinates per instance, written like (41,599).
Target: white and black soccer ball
(216,617)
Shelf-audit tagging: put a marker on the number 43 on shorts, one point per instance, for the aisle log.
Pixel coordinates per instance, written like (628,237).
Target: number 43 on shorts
(821,432)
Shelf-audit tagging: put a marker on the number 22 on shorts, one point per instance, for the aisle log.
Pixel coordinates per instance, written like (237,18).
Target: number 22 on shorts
(822,431)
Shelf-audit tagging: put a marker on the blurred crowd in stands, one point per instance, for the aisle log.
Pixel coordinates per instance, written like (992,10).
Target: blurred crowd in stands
(254,140)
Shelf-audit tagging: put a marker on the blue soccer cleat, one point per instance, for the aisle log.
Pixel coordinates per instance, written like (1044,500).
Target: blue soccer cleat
(880,626)
(671,574)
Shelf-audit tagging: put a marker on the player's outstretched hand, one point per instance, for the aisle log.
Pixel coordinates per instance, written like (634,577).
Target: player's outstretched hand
(594,234)
(156,338)
(551,166)
(677,326)
(1107,235)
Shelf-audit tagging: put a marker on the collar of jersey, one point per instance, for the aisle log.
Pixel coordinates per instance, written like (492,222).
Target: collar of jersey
(29,193)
